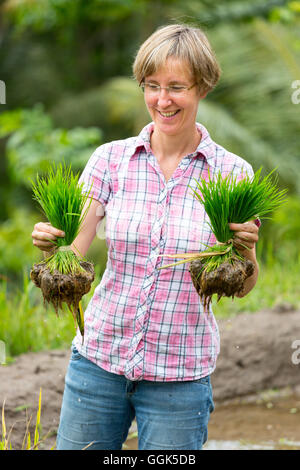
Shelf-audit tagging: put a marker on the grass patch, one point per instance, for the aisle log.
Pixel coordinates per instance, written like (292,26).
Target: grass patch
(26,325)
(30,441)
(277,283)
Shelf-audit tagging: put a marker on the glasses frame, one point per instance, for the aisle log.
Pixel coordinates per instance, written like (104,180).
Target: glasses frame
(142,85)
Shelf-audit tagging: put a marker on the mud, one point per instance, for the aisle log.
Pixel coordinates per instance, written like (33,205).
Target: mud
(226,281)
(256,386)
(269,422)
(58,288)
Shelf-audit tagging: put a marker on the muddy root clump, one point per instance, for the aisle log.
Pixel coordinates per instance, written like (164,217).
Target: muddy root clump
(226,281)
(58,288)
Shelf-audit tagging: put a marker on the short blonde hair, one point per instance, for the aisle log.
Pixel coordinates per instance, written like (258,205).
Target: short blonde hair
(186,43)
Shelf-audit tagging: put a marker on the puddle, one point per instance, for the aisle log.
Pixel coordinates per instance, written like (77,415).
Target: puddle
(265,422)
(239,445)
(235,445)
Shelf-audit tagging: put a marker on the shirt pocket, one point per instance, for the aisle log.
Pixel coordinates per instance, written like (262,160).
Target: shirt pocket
(128,228)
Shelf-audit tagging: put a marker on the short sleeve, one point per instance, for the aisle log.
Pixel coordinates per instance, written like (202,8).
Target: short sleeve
(95,176)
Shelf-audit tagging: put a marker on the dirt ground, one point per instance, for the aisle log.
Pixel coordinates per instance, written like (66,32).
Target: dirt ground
(256,385)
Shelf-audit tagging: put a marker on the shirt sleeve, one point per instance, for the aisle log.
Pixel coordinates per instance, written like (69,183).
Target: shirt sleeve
(96,177)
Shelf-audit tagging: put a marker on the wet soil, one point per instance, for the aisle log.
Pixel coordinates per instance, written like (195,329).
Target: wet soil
(256,386)
(226,281)
(58,288)
(272,422)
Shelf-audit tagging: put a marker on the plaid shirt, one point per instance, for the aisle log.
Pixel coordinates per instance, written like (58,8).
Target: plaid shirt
(143,322)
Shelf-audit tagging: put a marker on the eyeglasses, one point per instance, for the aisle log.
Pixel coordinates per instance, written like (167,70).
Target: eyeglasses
(172,90)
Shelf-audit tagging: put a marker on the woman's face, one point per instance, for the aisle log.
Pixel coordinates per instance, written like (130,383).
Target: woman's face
(173,114)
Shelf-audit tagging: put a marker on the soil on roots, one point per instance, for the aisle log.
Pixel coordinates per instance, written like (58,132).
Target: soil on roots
(226,281)
(58,288)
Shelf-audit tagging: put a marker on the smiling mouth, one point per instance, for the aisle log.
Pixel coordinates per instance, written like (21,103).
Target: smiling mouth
(169,114)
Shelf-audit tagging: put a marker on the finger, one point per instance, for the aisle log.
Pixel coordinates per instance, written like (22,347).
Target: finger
(247,236)
(242,244)
(252,236)
(43,245)
(46,227)
(43,236)
(248,240)
(246,227)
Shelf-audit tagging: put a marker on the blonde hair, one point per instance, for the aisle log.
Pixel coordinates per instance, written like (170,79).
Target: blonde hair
(182,42)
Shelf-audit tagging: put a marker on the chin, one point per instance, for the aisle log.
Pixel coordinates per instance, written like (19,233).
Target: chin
(167,131)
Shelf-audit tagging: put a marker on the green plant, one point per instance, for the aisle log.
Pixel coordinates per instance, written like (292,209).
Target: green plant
(62,201)
(63,276)
(227,199)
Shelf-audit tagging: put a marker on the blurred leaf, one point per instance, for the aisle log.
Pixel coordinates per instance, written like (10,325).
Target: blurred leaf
(45,15)
(10,122)
(232,135)
(285,224)
(33,142)
(280,235)
(117,107)
(16,248)
(252,102)
(231,11)
(294,6)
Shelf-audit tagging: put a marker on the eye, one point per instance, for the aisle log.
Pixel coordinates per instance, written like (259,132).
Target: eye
(152,86)
(176,88)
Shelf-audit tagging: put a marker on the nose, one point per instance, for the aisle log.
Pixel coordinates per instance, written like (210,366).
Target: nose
(164,99)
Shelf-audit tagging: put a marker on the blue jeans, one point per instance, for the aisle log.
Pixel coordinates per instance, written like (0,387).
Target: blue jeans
(99,407)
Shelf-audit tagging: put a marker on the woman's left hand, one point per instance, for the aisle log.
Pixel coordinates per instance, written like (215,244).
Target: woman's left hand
(245,234)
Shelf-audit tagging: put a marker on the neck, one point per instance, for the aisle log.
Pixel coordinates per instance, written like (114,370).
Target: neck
(174,146)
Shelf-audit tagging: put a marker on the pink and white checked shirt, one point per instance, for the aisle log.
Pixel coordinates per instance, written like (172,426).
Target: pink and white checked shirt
(143,322)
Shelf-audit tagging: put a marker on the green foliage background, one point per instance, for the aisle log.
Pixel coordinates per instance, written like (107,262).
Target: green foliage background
(69,88)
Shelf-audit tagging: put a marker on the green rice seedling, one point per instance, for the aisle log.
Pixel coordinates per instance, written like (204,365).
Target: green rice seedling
(4,443)
(221,269)
(27,444)
(63,276)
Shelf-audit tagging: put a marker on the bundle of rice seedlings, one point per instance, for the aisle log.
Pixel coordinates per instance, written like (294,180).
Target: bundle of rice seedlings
(221,269)
(63,276)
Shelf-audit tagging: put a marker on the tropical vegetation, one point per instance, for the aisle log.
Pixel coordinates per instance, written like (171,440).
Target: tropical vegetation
(66,65)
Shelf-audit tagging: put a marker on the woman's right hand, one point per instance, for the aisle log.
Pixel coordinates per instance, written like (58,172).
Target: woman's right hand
(43,231)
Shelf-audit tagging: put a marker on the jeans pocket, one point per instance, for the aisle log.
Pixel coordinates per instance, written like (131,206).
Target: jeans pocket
(75,355)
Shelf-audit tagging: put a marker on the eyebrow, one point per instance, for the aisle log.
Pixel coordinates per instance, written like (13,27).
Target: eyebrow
(171,82)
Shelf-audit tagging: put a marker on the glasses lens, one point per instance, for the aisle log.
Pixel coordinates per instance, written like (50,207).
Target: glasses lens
(177,90)
(173,90)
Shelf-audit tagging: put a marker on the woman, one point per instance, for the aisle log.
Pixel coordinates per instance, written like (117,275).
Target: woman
(150,347)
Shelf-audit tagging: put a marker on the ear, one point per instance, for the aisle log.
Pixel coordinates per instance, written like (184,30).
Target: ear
(203,95)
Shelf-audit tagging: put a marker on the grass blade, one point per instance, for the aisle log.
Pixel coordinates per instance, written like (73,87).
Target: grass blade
(4,439)
(38,420)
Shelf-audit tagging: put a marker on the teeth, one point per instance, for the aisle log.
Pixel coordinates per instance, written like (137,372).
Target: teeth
(168,114)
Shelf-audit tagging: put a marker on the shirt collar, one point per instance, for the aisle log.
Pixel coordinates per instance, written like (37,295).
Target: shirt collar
(206,148)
